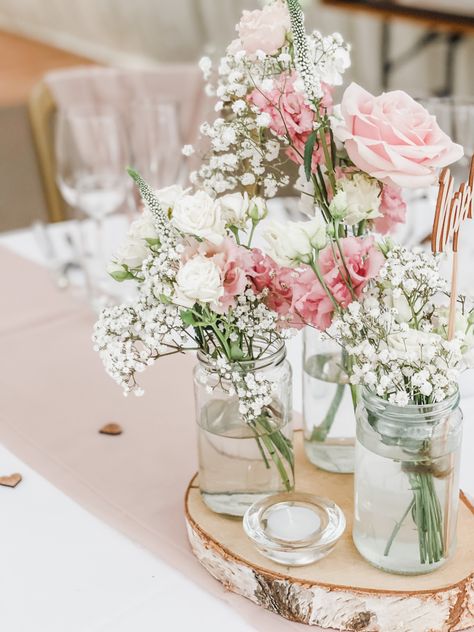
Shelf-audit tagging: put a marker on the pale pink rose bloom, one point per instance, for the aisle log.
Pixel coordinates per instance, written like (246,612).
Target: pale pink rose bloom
(311,302)
(393,209)
(393,138)
(290,114)
(264,29)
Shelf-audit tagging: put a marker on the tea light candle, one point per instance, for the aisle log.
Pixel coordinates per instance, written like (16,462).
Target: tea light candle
(294,529)
(292,522)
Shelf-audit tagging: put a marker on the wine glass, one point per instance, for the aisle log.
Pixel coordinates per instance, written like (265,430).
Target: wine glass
(91,159)
(156,142)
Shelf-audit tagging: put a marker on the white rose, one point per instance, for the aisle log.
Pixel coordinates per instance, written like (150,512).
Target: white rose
(293,242)
(198,281)
(199,215)
(257,209)
(234,207)
(168,196)
(414,345)
(400,303)
(132,254)
(362,199)
(143,228)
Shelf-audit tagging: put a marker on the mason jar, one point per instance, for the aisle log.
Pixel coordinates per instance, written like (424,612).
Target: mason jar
(407,483)
(241,461)
(328,409)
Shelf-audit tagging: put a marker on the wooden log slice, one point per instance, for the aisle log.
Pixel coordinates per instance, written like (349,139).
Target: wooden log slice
(342,591)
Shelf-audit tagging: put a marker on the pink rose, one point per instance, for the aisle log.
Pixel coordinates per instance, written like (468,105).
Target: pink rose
(290,115)
(393,138)
(312,303)
(264,29)
(393,209)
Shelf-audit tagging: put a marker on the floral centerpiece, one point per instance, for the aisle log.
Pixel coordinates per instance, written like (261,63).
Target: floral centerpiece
(204,286)
(274,92)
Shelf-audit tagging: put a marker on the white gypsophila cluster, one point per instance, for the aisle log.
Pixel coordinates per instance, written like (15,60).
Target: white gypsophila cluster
(330,55)
(242,152)
(389,335)
(130,338)
(304,61)
(252,388)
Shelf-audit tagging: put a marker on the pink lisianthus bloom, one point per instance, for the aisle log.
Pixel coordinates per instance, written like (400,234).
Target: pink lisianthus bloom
(234,262)
(263,29)
(279,282)
(393,138)
(392,208)
(311,302)
(290,115)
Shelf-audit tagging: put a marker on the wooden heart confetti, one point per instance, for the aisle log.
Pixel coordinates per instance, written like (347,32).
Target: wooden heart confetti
(111,429)
(10,481)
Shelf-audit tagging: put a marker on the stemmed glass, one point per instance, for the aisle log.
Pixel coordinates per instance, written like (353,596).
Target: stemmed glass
(156,142)
(91,158)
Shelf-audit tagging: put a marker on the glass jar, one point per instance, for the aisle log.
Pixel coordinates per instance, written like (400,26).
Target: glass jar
(328,411)
(407,483)
(240,462)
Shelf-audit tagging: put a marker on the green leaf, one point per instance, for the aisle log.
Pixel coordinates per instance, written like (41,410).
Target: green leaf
(187,317)
(152,241)
(121,275)
(165,299)
(308,154)
(236,352)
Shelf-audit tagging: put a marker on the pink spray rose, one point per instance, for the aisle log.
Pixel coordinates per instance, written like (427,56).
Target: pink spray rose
(263,29)
(290,114)
(393,138)
(392,208)
(311,302)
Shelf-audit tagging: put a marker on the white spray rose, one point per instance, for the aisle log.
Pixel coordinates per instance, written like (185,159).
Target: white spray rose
(168,196)
(293,242)
(198,281)
(257,209)
(143,228)
(396,299)
(357,199)
(199,215)
(131,254)
(234,207)
(414,345)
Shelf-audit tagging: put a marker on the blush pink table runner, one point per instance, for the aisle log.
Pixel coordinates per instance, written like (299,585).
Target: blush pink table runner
(55,396)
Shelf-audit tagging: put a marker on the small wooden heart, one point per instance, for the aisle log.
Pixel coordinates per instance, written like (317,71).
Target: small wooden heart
(111,429)
(10,481)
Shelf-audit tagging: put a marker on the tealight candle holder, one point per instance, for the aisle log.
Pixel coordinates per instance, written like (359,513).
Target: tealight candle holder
(294,529)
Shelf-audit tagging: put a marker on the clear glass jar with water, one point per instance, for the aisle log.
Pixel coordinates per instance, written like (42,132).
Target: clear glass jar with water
(328,410)
(239,462)
(407,483)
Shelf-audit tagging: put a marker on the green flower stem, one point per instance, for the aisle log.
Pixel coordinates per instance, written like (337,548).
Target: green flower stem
(427,515)
(321,431)
(278,448)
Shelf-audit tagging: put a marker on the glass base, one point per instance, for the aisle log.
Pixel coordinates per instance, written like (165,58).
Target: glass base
(333,455)
(388,564)
(233,504)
